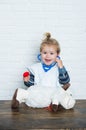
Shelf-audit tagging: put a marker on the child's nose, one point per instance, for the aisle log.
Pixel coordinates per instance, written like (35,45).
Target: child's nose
(48,55)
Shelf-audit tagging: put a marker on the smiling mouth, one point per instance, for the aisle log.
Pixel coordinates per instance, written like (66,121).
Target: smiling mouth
(47,60)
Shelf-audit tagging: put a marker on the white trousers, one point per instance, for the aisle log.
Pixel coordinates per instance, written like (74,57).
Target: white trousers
(44,98)
(64,98)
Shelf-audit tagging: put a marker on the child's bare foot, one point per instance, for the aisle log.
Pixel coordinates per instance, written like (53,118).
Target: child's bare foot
(66,86)
(15,103)
(54,107)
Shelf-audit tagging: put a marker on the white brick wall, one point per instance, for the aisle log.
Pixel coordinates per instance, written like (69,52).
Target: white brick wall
(22,24)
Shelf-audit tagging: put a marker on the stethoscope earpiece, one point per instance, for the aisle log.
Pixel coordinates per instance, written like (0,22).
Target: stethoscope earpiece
(39,57)
(58,57)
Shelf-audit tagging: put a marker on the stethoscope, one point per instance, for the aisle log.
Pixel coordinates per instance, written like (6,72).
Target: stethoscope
(46,67)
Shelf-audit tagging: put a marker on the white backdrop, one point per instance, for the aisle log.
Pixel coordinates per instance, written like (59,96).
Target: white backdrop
(22,25)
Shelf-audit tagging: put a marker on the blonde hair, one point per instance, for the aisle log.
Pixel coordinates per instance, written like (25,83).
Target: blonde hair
(50,41)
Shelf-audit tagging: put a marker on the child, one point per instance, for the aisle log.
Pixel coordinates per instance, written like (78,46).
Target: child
(47,80)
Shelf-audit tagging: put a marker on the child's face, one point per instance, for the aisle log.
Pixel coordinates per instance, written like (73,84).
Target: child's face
(49,54)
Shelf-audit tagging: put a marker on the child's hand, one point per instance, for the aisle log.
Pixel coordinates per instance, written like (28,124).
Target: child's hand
(59,61)
(26,76)
(26,79)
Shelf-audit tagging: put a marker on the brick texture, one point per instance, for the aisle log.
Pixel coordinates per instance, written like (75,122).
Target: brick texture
(22,25)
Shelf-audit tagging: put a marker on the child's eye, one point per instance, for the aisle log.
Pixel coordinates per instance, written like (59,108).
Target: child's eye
(44,52)
(51,53)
